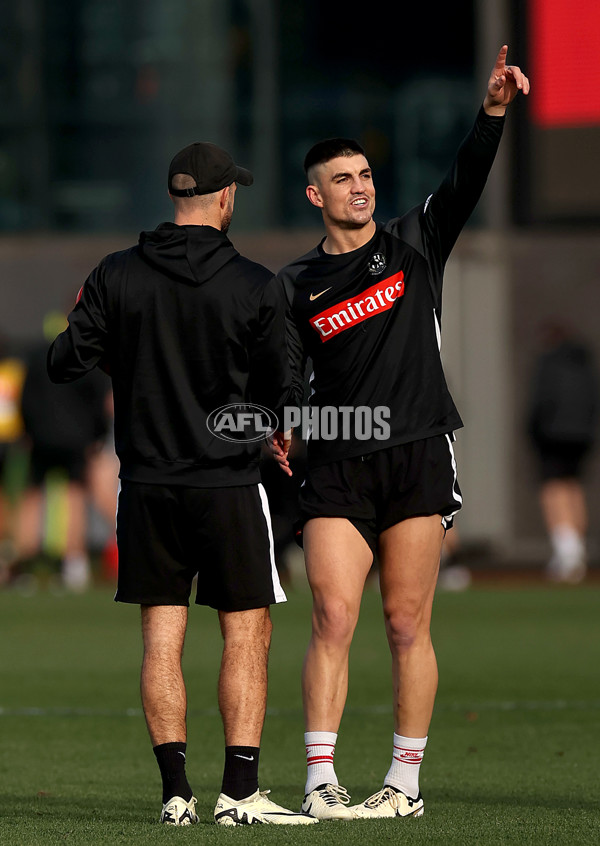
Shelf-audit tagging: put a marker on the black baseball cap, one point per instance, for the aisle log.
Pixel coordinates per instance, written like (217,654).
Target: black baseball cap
(210,166)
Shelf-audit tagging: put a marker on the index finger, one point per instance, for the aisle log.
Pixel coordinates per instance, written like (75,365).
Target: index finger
(501,60)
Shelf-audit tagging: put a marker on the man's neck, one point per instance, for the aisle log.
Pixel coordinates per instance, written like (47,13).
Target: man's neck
(338,241)
(197,220)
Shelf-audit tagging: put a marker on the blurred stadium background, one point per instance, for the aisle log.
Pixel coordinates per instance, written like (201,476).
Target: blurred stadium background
(98,95)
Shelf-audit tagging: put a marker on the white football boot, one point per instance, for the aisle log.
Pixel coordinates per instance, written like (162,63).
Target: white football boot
(388,802)
(179,812)
(328,802)
(257,809)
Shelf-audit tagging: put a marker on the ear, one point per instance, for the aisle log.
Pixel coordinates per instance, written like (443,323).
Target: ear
(224,197)
(314,196)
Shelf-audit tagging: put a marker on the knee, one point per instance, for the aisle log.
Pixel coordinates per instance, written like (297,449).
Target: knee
(334,620)
(247,629)
(404,628)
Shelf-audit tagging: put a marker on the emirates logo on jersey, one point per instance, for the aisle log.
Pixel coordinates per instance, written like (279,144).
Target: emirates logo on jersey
(375,300)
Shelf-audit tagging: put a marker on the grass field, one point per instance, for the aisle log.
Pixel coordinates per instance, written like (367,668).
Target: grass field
(512,756)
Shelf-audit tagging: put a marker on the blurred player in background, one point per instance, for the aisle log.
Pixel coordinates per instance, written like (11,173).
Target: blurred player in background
(365,305)
(12,374)
(185,325)
(563,426)
(64,426)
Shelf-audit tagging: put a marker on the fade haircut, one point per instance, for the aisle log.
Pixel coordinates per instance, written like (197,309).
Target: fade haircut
(331,148)
(181,181)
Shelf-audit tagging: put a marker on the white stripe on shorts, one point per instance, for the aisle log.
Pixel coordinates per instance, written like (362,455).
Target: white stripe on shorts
(448,518)
(278,591)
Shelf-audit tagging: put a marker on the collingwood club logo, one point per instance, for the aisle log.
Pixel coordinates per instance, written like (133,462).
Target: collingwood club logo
(377,263)
(244,421)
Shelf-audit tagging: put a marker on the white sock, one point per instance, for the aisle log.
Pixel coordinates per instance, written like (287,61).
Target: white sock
(320,748)
(403,774)
(76,572)
(568,544)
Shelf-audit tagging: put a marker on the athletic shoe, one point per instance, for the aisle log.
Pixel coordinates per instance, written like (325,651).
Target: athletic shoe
(567,570)
(328,802)
(257,809)
(388,802)
(179,812)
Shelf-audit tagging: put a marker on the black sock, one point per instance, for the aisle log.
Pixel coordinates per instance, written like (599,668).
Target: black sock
(240,777)
(171,762)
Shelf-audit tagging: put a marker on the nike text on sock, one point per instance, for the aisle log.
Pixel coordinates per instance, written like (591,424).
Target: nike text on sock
(407,756)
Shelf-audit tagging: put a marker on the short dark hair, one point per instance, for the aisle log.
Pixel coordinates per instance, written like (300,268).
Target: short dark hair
(331,148)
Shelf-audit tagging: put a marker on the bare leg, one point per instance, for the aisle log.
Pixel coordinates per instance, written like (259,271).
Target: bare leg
(565,514)
(162,686)
(409,562)
(103,476)
(28,532)
(563,504)
(243,677)
(338,560)
(76,524)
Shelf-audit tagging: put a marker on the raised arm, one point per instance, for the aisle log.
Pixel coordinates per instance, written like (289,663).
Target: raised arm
(449,208)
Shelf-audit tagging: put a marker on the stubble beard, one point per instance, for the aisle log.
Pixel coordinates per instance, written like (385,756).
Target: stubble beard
(226,222)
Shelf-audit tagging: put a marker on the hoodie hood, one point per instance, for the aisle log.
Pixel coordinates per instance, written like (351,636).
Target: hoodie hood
(193,254)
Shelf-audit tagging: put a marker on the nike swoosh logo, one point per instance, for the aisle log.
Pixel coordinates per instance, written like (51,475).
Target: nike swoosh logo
(245,757)
(316,296)
(182,754)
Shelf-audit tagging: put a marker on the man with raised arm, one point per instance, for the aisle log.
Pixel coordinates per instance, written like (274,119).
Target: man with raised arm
(365,306)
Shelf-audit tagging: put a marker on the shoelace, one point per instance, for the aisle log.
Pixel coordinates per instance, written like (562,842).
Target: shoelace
(386,794)
(334,793)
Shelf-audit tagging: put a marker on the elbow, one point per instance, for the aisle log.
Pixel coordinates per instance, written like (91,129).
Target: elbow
(57,374)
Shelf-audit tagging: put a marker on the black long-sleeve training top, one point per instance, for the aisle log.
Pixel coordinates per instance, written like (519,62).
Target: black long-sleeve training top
(370,319)
(184,325)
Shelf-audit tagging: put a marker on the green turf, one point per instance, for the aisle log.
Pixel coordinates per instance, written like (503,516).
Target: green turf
(512,757)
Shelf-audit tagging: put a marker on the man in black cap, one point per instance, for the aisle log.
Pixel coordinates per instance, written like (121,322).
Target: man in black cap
(186,326)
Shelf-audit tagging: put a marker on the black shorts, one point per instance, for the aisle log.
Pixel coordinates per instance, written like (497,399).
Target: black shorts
(382,488)
(167,534)
(71,462)
(561,461)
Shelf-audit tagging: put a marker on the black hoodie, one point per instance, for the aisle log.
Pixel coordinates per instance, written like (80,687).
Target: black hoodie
(184,325)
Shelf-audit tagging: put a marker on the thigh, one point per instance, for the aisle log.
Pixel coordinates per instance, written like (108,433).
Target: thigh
(232,548)
(153,569)
(338,560)
(409,560)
